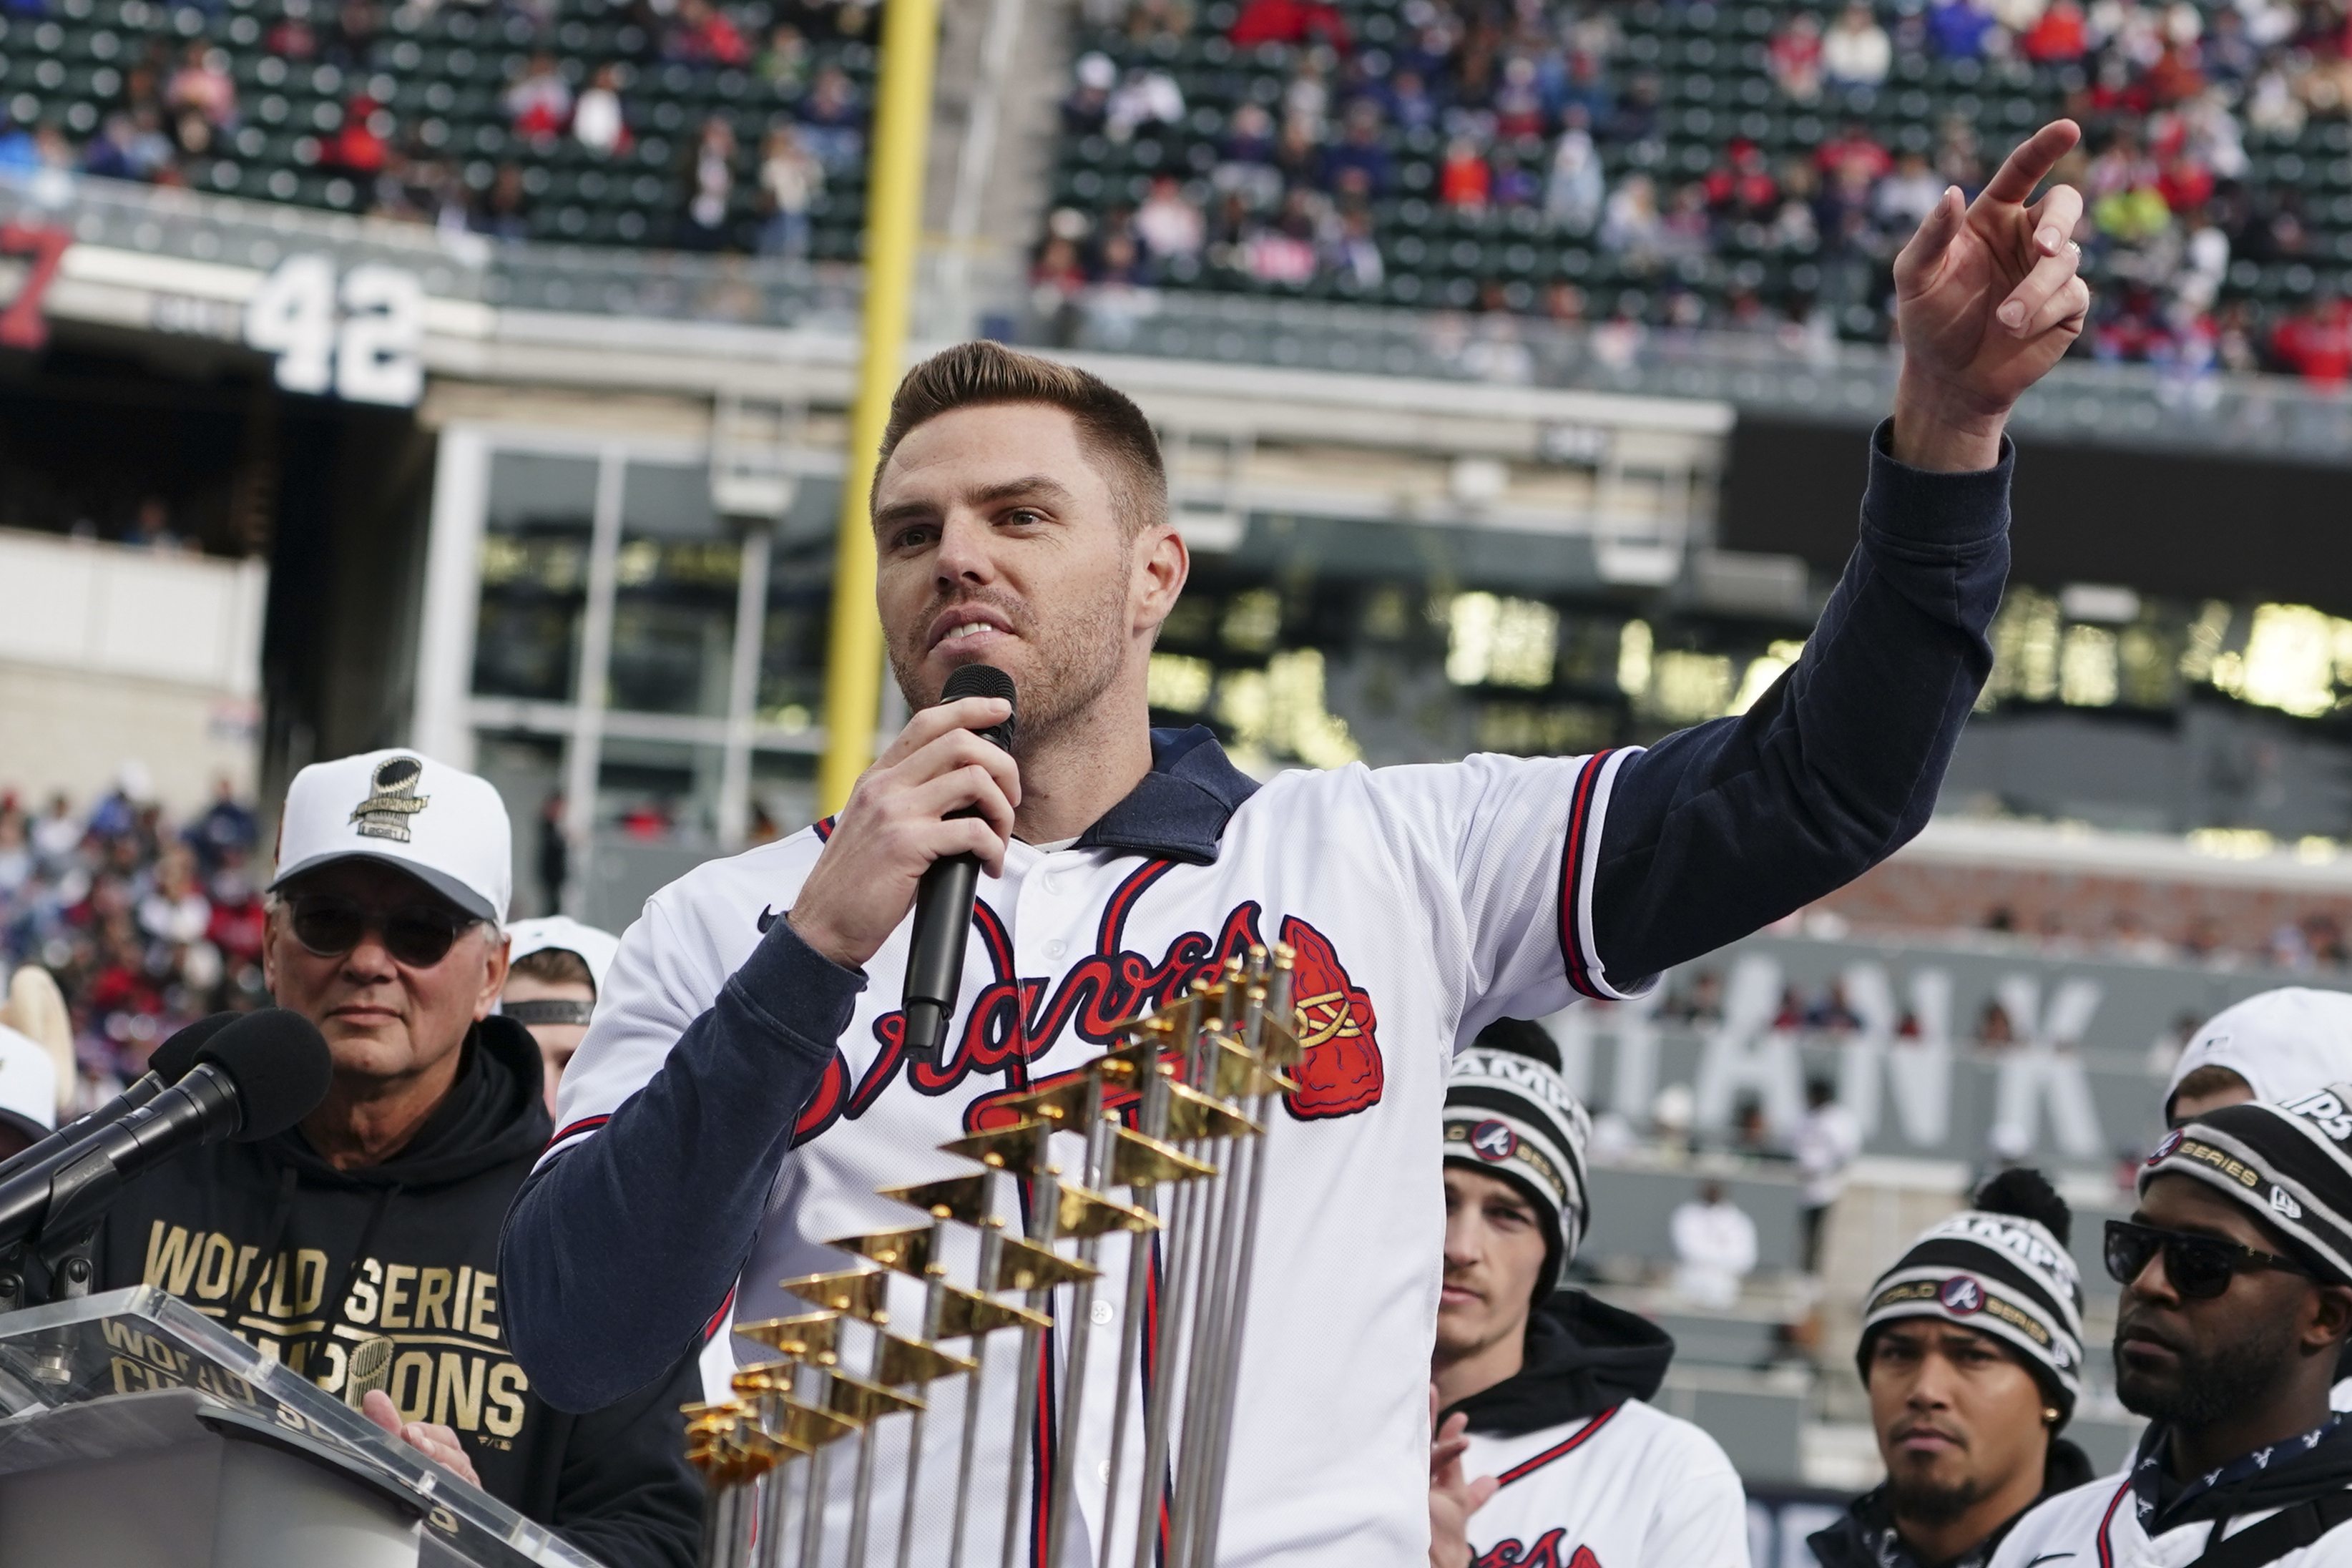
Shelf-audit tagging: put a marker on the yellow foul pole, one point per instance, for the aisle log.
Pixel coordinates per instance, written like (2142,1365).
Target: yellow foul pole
(894,213)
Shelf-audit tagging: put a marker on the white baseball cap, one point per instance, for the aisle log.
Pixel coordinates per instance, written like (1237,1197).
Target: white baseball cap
(447,829)
(28,1084)
(2285,1044)
(564,934)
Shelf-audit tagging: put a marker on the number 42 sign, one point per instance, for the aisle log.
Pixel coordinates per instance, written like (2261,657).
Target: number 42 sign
(359,342)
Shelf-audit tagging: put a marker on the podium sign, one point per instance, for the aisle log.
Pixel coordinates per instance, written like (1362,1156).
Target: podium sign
(141,1387)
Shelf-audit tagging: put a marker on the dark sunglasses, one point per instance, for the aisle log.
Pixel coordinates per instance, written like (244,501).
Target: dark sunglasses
(2200,1266)
(419,936)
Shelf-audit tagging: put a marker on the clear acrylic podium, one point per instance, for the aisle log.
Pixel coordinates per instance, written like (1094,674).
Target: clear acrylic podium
(136,1431)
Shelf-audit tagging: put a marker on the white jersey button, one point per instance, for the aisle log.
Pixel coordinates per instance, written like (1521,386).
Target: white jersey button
(1055,948)
(1101,1314)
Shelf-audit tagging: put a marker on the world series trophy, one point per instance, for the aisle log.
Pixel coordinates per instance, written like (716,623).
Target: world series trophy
(1176,1116)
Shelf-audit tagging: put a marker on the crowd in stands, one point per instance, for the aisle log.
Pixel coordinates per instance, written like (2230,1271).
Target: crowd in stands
(741,179)
(147,924)
(1540,111)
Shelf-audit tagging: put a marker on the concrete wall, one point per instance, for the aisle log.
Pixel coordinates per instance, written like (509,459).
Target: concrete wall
(110,654)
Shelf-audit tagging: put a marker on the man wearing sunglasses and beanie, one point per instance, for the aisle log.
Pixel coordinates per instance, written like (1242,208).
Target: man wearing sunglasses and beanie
(2236,1270)
(1972,1354)
(378,1217)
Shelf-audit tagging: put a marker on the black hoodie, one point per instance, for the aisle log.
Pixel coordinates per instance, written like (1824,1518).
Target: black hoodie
(408,1249)
(1864,1535)
(1582,1356)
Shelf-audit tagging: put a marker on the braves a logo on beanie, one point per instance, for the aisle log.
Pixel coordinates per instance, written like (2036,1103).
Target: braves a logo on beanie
(2165,1146)
(1961,1294)
(1494,1141)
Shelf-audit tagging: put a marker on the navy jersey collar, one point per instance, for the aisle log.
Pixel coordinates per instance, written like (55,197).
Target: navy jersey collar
(1179,810)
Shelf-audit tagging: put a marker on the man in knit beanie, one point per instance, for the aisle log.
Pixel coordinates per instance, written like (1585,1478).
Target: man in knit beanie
(1541,1391)
(1972,1352)
(2236,1270)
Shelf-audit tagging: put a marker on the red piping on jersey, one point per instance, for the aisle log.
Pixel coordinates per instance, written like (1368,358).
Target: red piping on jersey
(823,829)
(585,1124)
(720,1316)
(1558,1451)
(2107,1548)
(1113,934)
(1571,880)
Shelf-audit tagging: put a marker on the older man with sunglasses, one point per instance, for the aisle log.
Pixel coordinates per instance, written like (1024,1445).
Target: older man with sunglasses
(2237,1301)
(373,1226)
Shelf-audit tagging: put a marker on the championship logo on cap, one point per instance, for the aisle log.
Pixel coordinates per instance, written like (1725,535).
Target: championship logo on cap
(1494,1141)
(2171,1142)
(392,800)
(1961,1294)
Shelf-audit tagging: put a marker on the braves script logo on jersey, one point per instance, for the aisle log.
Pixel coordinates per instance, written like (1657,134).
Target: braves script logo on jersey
(1544,1554)
(1961,1294)
(1014,1020)
(1494,1141)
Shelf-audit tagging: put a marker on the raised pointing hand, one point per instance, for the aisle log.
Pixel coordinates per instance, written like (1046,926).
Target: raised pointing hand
(1986,300)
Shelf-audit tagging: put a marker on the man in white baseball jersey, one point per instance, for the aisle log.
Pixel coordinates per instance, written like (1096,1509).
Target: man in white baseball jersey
(745,1087)
(1545,1388)
(2237,1301)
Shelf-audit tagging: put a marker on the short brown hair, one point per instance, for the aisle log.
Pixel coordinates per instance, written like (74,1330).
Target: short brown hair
(1110,427)
(555,967)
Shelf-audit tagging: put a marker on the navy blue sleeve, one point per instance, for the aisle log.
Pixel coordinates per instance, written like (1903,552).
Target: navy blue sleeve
(617,1252)
(1724,828)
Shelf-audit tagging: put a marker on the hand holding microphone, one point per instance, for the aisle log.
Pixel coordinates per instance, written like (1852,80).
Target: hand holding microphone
(901,818)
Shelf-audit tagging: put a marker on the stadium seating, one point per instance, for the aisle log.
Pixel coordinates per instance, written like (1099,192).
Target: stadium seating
(431,84)
(1711,66)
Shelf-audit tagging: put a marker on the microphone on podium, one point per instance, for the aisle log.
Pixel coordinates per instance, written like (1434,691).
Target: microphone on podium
(943,899)
(258,1075)
(167,1064)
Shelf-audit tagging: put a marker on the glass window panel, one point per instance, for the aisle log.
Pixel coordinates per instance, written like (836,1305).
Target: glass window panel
(655,818)
(527,770)
(534,571)
(674,599)
(783,794)
(792,639)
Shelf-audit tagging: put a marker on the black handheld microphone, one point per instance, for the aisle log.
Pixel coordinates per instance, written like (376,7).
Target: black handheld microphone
(943,899)
(257,1077)
(167,1064)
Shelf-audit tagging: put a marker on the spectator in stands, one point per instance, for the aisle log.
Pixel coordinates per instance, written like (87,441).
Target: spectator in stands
(358,147)
(1522,1367)
(1827,1141)
(2315,342)
(1631,226)
(784,63)
(555,967)
(203,85)
(1170,223)
(790,179)
(833,122)
(710,178)
(131,147)
(1960,29)
(1856,52)
(1573,191)
(1465,179)
(703,35)
(503,212)
(394,946)
(538,100)
(1972,1354)
(598,122)
(1715,1248)
(1795,58)
(1288,22)
(2061,37)
(1144,98)
(150,526)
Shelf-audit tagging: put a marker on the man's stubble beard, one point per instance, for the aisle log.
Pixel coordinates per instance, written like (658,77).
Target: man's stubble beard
(1077,657)
(2213,1386)
(1931,1503)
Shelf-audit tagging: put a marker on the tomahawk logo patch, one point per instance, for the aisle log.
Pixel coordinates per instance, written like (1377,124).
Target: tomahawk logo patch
(1961,1294)
(1494,1141)
(392,800)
